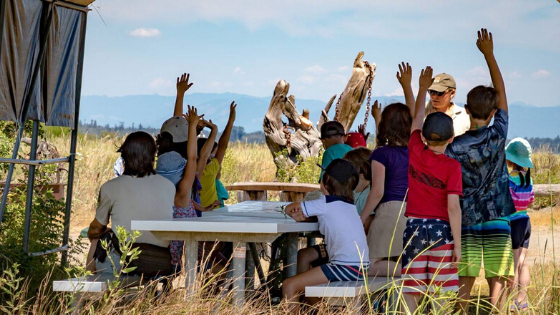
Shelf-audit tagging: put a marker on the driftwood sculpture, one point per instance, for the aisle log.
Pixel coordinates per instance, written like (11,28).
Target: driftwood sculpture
(298,136)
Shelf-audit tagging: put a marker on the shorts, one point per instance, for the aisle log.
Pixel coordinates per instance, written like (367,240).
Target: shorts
(487,243)
(387,227)
(323,255)
(520,230)
(343,272)
(427,256)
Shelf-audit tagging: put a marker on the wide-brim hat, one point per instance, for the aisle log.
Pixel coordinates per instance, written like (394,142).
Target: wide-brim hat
(519,152)
(178,127)
(442,82)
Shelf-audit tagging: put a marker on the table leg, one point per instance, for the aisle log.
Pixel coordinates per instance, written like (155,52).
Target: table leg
(291,254)
(239,256)
(191,255)
(250,267)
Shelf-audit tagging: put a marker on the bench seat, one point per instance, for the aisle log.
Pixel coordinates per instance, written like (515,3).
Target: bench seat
(93,283)
(346,289)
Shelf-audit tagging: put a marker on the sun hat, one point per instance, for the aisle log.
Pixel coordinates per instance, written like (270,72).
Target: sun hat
(519,152)
(442,82)
(438,126)
(355,140)
(332,128)
(341,170)
(177,127)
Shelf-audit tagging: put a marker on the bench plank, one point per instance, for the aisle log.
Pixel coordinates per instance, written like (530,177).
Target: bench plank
(345,289)
(93,283)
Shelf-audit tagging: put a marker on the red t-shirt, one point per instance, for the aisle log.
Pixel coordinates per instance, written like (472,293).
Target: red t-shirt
(431,177)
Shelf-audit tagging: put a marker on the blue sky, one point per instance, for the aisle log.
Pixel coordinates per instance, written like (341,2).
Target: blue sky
(247,46)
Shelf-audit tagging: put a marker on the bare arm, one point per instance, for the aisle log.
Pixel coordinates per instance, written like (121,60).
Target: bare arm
(377,190)
(486,46)
(405,79)
(207,148)
(224,138)
(184,188)
(182,87)
(376,114)
(424,81)
(454,210)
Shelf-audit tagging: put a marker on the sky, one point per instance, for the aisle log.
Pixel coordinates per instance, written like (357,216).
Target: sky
(140,47)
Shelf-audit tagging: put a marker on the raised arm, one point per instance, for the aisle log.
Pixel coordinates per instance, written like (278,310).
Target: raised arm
(424,83)
(486,46)
(404,75)
(207,148)
(183,193)
(376,114)
(182,86)
(224,138)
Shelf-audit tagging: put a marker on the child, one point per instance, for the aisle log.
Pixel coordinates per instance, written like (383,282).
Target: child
(432,238)
(389,169)
(340,223)
(317,255)
(332,137)
(518,157)
(486,203)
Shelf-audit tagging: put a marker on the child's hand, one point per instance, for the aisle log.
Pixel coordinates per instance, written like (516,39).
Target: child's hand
(295,211)
(425,80)
(214,205)
(484,42)
(232,108)
(376,111)
(192,115)
(183,83)
(404,75)
(456,256)
(208,123)
(362,131)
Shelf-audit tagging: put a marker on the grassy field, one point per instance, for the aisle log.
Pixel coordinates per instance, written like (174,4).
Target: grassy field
(250,162)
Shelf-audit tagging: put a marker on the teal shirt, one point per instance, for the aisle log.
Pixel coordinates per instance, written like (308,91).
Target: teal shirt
(336,151)
(360,199)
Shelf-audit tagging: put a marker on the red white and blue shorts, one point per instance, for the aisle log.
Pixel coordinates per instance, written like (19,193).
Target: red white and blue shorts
(427,256)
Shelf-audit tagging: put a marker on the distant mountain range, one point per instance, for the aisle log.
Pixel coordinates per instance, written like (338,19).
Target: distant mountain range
(153,110)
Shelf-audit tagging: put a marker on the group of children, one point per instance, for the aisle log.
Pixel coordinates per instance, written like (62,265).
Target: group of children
(434,198)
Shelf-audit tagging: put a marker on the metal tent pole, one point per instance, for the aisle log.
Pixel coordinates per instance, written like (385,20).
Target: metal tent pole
(25,109)
(74,140)
(30,182)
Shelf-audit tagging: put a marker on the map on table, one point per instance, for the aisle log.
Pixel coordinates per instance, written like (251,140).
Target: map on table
(269,209)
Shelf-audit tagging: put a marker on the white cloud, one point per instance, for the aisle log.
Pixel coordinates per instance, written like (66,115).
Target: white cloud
(160,82)
(145,32)
(478,71)
(315,70)
(306,79)
(342,69)
(515,75)
(396,92)
(541,74)
(238,70)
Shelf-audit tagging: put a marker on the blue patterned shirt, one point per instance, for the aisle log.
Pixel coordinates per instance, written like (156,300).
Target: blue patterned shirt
(482,156)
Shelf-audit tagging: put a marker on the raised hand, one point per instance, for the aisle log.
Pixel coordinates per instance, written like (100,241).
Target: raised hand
(404,75)
(484,42)
(376,112)
(183,83)
(192,115)
(232,108)
(362,130)
(425,80)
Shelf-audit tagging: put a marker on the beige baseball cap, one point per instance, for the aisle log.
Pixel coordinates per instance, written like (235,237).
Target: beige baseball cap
(442,82)
(178,127)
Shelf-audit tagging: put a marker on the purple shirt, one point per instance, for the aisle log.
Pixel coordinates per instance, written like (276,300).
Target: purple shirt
(395,160)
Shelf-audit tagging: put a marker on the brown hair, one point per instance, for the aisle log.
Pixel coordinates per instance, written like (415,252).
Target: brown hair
(138,152)
(343,190)
(394,127)
(481,101)
(360,157)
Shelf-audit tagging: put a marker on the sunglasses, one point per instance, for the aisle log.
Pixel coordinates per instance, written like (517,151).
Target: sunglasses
(432,92)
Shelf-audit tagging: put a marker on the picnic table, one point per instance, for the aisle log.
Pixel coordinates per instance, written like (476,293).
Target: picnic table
(258,190)
(242,223)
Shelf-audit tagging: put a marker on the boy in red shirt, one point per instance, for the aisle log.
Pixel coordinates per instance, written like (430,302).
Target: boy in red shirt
(432,238)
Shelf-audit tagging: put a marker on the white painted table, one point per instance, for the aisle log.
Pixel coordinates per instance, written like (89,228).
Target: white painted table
(250,221)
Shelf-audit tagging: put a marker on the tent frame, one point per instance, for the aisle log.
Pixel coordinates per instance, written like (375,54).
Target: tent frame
(46,23)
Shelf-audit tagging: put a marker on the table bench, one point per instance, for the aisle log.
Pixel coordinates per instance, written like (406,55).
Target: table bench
(258,190)
(546,190)
(347,293)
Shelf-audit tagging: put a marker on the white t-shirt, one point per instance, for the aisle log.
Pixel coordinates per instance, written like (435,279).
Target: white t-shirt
(344,234)
(461,120)
(128,198)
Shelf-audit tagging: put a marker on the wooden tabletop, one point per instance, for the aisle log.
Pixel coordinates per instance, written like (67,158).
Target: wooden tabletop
(259,186)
